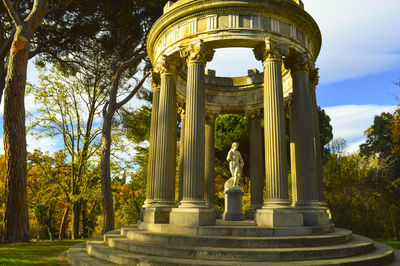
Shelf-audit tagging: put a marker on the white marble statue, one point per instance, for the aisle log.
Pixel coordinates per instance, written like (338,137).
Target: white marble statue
(235,166)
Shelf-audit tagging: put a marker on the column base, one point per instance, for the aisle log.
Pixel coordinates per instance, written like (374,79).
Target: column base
(283,217)
(192,217)
(314,213)
(155,215)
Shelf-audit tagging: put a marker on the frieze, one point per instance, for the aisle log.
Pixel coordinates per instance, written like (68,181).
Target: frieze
(239,18)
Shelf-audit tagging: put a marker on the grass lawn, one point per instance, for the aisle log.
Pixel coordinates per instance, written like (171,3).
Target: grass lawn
(393,244)
(34,253)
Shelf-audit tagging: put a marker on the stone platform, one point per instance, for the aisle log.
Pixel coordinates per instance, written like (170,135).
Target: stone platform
(233,243)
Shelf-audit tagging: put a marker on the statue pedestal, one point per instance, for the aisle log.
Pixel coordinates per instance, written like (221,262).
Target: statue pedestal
(233,204)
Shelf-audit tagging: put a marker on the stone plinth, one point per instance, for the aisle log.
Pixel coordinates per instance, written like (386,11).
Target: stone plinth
(284,217)
(192,217)
(156,215)
(233,204)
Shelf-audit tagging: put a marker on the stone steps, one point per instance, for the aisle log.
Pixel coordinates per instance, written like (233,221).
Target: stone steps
(358,246)
(335,238)
(237,228)
(78,256)
(134,246)
(381,255)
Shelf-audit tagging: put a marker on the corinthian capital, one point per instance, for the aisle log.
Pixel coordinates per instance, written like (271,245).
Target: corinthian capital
(253,114)
(169,65)
(314,77)
(210,117)
(155,80)
(198,52)
(298,62)
(270,50)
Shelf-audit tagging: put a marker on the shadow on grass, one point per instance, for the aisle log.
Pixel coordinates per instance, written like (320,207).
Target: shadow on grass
(34,253)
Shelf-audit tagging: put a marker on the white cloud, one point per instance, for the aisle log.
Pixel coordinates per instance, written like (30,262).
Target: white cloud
(359,37)
(350,121)
(44,144)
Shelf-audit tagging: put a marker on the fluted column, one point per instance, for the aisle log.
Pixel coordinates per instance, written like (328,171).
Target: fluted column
(181,151)
(275,136)
(314,79)
(155,83)
(194,150)
(164,190)
(303,134)
(193,210)
(209,160)
(256,165)
(276,210)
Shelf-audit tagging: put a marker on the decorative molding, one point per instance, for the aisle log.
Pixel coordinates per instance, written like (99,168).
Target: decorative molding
(234,21)
(212,22)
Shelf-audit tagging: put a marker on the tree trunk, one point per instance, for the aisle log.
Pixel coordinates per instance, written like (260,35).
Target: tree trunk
(76,211)
(16,222)
(108,209)
(49,230)
(61,232)
(84,220)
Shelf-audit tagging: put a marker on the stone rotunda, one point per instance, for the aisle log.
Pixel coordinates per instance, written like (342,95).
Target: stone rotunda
(282,230)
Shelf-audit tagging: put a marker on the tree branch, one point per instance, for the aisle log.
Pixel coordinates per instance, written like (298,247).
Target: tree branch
(135,90)
(6,45)
(13,14)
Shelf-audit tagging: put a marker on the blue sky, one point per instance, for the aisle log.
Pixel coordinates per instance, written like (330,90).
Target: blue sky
(359,61)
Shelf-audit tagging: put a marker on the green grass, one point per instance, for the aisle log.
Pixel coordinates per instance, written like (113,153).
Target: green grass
(393,244)
(34,253)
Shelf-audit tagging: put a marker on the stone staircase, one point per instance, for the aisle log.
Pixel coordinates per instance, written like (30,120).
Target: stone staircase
(234,243)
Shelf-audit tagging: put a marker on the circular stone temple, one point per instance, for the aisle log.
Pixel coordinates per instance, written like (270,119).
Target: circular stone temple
(278,231)
(286,40)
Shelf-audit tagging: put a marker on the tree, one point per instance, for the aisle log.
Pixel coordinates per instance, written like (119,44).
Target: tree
(69,106)
(126,59)
(18,33)
(379,137)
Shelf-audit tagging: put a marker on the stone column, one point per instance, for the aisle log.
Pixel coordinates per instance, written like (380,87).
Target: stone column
(209,160)
(155,84)
(181,151)
(165,160)
(193,210)
(314,79)
(304,158)
(276,211)
(256,165)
